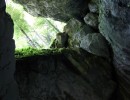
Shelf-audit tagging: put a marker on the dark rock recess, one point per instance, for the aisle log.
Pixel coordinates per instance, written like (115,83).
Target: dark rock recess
(8,86)
(65,76)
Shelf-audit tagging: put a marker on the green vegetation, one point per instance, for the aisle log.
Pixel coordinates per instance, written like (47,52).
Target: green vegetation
(32,35)
(31,31)
(27,52)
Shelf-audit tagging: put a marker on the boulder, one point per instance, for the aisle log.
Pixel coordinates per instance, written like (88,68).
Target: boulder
(76,31)
(93,6)
(72,27)
(96,44)
(91,19)
(77,38)
(61,41)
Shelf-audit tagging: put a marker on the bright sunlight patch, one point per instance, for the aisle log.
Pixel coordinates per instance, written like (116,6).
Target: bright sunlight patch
(31,31)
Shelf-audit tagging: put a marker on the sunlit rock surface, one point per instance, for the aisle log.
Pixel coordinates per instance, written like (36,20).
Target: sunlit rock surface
(95,44)
(65,76)
(76,31)
(57,9)
(91,19)
(84,36)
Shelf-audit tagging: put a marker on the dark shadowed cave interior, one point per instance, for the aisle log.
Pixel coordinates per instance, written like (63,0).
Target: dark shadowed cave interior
(89,60)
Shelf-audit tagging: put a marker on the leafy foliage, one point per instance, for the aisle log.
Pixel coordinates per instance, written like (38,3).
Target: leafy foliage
(17,16)
(27,52)
(30,31)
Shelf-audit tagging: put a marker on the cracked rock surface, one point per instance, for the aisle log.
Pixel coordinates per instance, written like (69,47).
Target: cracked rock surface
(62,10)
(115,27)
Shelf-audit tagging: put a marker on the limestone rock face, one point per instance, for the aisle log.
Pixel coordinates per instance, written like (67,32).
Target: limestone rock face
(93,6)
(95,44)
(8,86)
(72,26)
(77,37)
(83,36)
(91,19)
(61,77)
(76,31)
(62,10)
(115,26)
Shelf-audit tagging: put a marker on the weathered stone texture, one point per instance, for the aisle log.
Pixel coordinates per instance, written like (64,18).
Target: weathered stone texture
(115,27)
(93,6)
(76,31)
(56,9)
(83,36)
(91,19)
(95,44)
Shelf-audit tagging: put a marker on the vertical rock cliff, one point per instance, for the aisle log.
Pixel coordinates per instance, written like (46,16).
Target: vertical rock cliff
(115,27)
(8,86)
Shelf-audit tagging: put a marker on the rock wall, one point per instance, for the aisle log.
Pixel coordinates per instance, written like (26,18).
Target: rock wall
(8,86)
(66,76)
(100,27)
(84,36)
(114,26)
(56,9)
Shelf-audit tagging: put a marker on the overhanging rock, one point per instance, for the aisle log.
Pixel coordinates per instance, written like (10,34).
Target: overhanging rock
(61,10)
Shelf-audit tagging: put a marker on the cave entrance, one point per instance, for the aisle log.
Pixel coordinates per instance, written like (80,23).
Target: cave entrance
(29,31)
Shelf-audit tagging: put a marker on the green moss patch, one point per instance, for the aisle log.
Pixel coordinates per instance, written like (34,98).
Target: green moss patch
(26,52)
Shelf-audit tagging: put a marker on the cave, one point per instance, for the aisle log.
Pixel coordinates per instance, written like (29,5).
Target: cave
(93,66)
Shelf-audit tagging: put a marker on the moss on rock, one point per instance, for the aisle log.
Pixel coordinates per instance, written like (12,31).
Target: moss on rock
(26,52)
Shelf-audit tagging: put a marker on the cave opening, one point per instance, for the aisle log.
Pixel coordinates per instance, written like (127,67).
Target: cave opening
(96,59)
(30,31)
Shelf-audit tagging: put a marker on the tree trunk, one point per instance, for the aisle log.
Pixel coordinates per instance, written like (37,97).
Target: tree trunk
(115,27)
(28,38)
(49,22)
